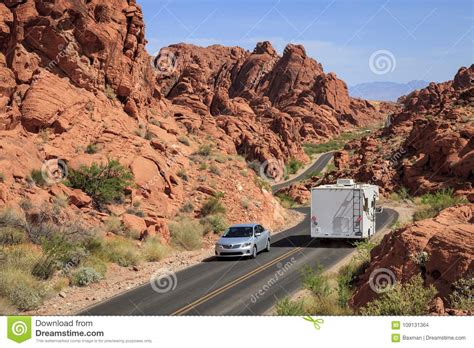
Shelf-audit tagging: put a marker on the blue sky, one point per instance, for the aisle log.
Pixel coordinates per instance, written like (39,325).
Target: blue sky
(420,39)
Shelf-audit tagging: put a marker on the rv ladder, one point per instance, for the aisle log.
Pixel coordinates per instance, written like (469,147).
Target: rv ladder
(356,210)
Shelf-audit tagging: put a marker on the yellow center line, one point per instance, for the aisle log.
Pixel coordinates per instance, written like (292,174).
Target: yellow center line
(234,283)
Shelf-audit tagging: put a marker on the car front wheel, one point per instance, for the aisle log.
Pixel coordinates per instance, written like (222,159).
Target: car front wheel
(267,249)
(254,253)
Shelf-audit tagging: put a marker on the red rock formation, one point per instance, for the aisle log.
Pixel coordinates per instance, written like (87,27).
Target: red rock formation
(427,146)
(266,104)
(446,243)
(76,73)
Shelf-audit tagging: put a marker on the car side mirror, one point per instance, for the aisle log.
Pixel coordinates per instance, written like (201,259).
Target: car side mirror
(378,210)
(257,234)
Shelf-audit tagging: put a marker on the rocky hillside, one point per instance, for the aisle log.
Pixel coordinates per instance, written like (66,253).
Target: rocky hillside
(77,87)
(438,249)
(427,146)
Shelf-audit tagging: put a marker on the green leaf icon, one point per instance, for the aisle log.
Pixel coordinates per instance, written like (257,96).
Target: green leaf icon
(19,329)
(316,322)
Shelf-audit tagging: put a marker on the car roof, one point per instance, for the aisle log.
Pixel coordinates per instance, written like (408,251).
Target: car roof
(251,224)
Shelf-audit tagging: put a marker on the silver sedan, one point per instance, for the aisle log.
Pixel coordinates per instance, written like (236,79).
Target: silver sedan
(243,240)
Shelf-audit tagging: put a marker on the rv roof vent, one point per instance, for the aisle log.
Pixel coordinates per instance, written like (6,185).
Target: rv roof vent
(345,182)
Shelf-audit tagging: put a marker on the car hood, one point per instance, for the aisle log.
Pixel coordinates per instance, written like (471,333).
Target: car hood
(233,241)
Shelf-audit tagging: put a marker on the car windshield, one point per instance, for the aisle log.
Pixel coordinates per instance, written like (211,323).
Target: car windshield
(239,232)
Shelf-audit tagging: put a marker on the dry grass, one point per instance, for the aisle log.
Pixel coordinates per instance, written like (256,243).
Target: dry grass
(154,251)
(187,234)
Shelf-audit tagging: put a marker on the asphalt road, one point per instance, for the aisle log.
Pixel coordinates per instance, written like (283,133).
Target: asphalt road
(233,286)
(317,166)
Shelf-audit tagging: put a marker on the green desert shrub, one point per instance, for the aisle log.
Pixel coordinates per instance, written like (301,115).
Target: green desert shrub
(364,248)
(17,284)
(286,201)
(26,204)
(205,150)
(212,206)
(135,211)
(187,234)
(95,262)
(462,296)
(12,228)
(6,308)
(92,148)
(345,278)
(122,252)
(401,195)
(214,169)
(21,257)
(411,298)
(287,307)
(220,159)
(110,92)
(114,224)
(59,253)
(316,281)
(45,267)
(433,203)
(183,174)
(313,149)
(104,183)
(22,289)
(293,166)
(325,306)
(215,223)
(153,250)
(85,276)
(262,184)
(36,177)
(334,144)
(187,207)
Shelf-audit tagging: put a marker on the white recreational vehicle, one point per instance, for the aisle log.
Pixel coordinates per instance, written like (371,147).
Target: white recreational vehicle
(344,210)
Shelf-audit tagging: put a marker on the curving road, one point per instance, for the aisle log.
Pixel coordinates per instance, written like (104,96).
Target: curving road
(317,166)
(236,287)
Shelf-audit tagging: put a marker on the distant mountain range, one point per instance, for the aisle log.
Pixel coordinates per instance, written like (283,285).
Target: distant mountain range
(385,90)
